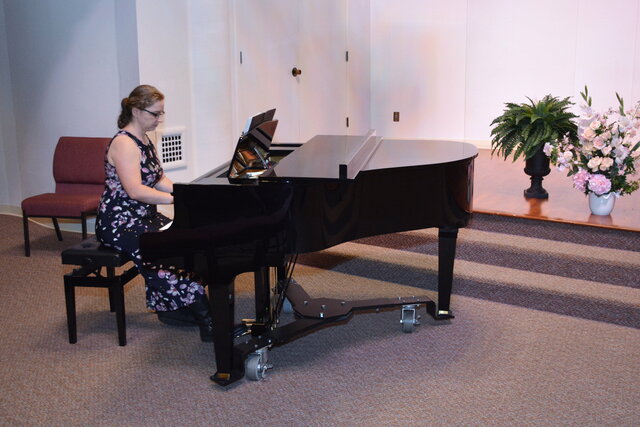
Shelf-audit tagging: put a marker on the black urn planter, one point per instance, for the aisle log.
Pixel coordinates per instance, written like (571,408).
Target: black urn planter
(537,167)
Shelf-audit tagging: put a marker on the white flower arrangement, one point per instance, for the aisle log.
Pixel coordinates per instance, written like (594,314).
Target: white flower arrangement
(606,156)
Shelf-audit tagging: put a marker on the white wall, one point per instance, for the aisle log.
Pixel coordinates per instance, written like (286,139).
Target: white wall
(449,68)
(66,64)
(64,81)
(608,35)
(635,92)
(418,68)
(183,50)
(359,66)
(518,49)
(127,46)
(10,191)
(212,99)
(164,62)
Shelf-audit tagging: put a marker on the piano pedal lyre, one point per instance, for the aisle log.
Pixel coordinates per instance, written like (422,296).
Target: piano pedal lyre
(409,318)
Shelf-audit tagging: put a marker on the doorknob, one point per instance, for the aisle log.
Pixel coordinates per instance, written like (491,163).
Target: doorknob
(296,72)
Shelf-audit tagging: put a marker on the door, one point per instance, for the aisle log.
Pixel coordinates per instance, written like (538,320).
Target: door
(275,36)
(322,58)
(266,39)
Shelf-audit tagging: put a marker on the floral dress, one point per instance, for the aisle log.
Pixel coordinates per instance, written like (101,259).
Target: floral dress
(120,222)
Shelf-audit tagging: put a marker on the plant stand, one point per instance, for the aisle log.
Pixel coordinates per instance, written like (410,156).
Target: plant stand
(537,167)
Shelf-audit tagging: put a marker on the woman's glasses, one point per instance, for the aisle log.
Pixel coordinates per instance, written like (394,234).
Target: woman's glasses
(155,114)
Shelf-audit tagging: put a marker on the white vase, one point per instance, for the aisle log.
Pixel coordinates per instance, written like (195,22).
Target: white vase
(602,205)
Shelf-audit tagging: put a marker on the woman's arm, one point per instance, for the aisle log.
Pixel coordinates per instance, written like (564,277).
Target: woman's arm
(124,154)
(165,184)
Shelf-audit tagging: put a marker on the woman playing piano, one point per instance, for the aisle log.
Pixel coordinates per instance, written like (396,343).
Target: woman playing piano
(135,184)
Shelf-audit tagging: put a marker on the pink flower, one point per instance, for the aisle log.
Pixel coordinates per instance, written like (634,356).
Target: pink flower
(587,147)
(594,163)
(599,184)
(606,163)
(580,179)
(624,123)
(588,134)
(621,153)
(594,125)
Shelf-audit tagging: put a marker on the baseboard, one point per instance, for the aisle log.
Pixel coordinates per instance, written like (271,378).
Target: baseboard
(10,210)
(72,225)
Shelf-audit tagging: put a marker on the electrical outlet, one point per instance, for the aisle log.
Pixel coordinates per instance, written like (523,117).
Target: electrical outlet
(396,116)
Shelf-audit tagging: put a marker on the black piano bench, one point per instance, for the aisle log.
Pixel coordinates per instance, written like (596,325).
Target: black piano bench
(91,257)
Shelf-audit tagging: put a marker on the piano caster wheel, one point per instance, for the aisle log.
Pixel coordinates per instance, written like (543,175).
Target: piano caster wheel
(409,318)
(287,308)
(255,367)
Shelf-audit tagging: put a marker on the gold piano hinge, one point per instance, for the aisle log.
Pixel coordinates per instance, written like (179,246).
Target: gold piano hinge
(347,121)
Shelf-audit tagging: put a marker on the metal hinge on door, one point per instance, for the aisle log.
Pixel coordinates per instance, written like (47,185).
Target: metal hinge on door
(240,57)
(347,121)
(346,56)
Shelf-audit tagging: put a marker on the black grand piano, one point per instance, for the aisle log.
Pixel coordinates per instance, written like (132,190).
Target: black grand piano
(257,215)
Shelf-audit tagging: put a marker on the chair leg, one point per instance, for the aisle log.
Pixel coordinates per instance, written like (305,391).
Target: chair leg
(84,225)
(70,301)
(25,227)
(57,227)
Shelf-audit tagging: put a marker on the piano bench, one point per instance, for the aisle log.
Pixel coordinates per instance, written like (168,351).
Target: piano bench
(90,257)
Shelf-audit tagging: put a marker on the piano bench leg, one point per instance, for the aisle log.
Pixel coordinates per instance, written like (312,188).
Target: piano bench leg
(70,302)
(114,283)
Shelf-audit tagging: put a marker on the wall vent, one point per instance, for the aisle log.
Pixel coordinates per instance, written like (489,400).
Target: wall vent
(172,149)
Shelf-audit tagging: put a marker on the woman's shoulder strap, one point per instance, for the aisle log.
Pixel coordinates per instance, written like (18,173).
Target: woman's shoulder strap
(135,139)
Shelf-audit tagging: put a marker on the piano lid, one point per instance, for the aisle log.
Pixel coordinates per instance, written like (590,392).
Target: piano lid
(393,153)
(321,155)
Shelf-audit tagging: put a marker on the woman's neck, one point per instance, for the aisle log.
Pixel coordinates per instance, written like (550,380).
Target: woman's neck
(136,131)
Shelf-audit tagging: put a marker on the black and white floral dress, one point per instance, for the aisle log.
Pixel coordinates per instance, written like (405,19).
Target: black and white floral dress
(120,222)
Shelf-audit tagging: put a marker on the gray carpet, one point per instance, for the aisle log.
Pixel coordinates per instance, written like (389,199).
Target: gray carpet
(547,332)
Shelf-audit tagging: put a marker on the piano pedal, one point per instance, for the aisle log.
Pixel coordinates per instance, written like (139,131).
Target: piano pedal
(256,365)
(409,318)
(241,330)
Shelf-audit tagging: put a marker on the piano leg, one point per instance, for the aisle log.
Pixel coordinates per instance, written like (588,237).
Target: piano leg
(229,363)
(446,255)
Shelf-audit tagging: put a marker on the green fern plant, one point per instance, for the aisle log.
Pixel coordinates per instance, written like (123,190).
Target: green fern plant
(523,128)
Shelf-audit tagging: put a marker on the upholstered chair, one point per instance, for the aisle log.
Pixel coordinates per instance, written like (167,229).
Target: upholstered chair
(78,171)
